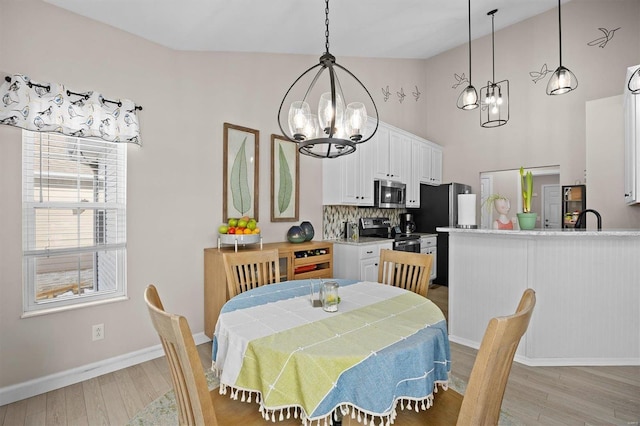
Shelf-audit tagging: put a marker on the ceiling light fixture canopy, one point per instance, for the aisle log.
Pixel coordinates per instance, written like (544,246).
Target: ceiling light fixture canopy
(468,99)
(494,97)
(563,80)
(338,127)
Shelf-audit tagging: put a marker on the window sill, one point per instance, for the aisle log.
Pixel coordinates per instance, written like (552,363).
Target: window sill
(57,309)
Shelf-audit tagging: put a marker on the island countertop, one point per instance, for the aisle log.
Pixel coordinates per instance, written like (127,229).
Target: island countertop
(548,232)
(586,283)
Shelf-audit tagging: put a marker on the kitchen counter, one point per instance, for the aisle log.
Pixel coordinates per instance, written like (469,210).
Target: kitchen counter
(362,241)
(586,282)
(549,232)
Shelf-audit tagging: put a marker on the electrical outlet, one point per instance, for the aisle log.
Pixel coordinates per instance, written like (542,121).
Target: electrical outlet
(98,332)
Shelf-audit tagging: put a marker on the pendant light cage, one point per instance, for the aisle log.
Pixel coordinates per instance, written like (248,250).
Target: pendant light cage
(468,99)
(494,97)
(337,127)
(634,82)
(562,80)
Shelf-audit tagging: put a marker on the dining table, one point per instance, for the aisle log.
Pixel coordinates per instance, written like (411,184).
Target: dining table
(384,349)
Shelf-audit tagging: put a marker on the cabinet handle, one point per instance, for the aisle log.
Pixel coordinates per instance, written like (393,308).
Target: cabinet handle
(369,252)
(375,264)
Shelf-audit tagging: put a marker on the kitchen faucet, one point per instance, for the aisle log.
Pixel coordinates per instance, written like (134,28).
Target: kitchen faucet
(582,215)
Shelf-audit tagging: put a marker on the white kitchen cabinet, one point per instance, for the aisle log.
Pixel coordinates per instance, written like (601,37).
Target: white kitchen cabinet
(389,155)
(414,169)
(348,180)
(358,261)
(631,143)
(431,168)
(429,245)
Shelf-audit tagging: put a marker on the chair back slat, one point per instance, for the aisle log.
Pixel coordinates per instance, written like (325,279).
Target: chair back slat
(187,375)
(406,270)
(490,373)
(251,269)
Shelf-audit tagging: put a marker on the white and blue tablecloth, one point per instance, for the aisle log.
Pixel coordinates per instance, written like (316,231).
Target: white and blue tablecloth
(385,346)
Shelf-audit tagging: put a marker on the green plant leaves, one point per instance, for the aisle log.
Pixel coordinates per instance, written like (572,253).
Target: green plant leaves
(239,181)
(285,189)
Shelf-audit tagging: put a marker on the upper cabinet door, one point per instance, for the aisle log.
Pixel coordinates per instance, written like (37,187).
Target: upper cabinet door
(381,169)
(436,166)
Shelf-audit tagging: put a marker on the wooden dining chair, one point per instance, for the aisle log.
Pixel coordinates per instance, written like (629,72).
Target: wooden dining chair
(251,269)
(407,270)
(197,405)
(187,375)
(482,400)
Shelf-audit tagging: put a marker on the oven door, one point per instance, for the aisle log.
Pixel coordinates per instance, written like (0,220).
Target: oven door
(407,245)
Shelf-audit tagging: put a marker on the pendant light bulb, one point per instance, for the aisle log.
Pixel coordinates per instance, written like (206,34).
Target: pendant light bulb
(468,99)
(495,95)
(562,80)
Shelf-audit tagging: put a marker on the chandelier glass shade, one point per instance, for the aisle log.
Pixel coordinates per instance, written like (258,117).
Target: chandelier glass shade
(562,80)
(337,127)
(634,82)
(468,99)
(494,97)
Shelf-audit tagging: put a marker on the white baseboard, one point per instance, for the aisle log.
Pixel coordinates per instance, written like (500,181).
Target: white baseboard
(59,380)
(556,362)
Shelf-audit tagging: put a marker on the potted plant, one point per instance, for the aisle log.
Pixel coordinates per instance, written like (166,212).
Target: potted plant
(526,219)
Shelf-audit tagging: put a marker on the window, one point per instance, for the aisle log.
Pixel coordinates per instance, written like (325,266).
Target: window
(74,221)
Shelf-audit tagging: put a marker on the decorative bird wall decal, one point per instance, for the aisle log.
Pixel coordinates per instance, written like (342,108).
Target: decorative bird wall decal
(539,75)
(602,41)
(460,79)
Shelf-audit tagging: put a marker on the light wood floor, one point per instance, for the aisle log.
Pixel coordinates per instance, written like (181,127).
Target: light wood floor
(535,395)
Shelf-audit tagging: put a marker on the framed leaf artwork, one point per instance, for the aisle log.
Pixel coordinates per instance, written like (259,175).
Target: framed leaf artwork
(240,172)
(285,180)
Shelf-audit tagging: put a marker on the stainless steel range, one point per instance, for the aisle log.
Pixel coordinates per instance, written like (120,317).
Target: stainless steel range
(380,227)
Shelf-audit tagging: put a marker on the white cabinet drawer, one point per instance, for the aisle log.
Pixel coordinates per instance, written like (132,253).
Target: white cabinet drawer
(373,250)
(429,241)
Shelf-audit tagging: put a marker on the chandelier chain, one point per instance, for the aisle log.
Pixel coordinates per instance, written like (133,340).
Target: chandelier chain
(326,24)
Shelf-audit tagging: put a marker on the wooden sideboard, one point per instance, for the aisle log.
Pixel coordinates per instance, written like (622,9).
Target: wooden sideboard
(312,259)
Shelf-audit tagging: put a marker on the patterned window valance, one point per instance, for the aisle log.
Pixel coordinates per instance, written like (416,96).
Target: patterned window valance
(50,107)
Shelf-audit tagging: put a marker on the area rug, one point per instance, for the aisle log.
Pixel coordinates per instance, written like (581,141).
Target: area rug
(163,411)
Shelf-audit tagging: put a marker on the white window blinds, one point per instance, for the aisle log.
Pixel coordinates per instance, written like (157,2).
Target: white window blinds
(74,220)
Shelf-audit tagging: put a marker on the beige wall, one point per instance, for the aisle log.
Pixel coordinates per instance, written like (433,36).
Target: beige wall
(543,130)
(174,187)
(175,190)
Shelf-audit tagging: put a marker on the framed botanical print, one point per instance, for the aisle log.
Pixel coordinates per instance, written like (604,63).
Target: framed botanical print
(285,180)
(240,172)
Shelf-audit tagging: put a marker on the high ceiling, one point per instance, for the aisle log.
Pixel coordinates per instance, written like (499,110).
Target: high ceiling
(365,28)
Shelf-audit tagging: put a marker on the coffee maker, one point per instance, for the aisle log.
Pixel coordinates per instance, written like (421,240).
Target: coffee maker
(407,225)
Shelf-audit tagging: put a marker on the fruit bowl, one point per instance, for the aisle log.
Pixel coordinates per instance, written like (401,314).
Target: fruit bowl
(239,238)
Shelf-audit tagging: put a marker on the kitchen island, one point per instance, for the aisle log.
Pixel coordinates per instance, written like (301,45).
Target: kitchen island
(587,285)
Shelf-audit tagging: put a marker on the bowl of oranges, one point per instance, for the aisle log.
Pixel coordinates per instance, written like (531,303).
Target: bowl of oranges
(242,230)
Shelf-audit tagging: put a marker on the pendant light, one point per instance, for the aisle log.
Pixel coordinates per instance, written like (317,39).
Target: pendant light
(563,80)
(494,97)
(468,99)
(634,82)
(336,129)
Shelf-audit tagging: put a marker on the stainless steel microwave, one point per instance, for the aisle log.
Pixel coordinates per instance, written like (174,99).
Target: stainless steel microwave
(389,194)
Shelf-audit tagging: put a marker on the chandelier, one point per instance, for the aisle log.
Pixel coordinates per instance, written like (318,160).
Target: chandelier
(337,128)
(494,97)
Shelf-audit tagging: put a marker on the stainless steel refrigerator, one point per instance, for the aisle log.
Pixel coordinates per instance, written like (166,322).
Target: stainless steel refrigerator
(439,208)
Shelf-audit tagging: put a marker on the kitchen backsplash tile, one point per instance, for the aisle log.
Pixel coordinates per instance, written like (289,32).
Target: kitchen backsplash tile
(334,217)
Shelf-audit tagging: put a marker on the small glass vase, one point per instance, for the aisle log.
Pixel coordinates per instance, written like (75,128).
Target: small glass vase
(527,220)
